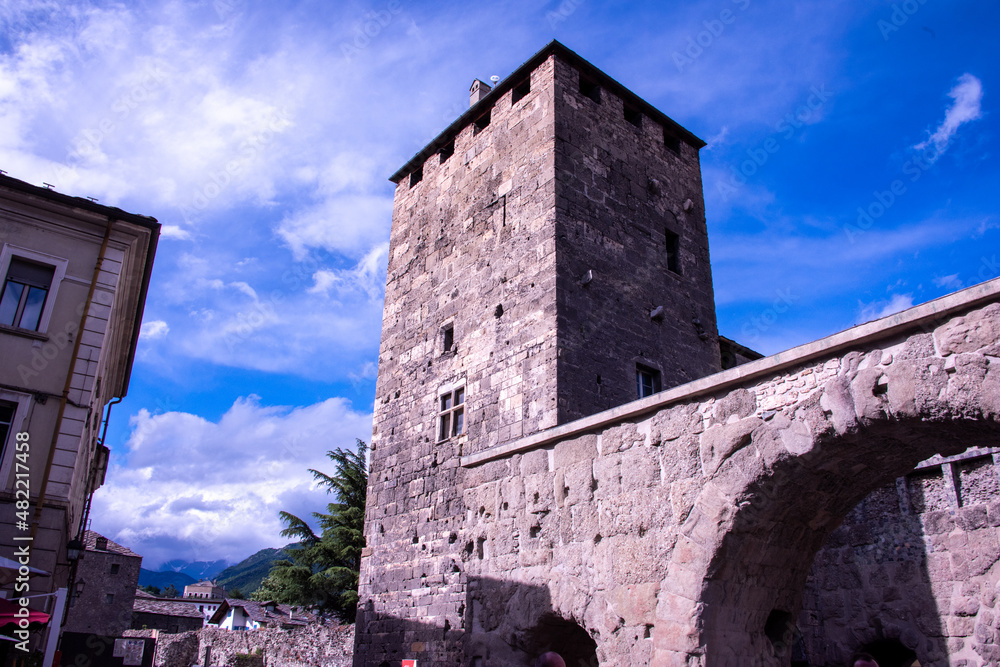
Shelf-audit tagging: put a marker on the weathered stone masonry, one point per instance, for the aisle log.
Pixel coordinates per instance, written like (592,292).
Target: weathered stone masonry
(679,529)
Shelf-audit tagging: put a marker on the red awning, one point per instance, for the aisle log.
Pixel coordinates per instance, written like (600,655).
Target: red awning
(9,610)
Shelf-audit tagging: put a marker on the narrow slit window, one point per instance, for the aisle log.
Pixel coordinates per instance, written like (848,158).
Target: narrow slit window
(590,89)
(451,417)
(446,151)
(482,122)
(647,380)
(448,338)
(416,176)
(673,252)
(671,141)
(633,116)
(520,91)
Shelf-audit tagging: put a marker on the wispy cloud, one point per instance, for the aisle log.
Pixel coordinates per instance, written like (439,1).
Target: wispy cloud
(876,310)
(967,96)
(154,329)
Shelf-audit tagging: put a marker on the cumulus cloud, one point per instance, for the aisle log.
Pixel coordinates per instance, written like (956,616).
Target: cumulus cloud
(876,310)
(967,96)
(187,487)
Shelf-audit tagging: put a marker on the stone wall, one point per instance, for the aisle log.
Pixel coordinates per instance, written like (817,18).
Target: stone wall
(491,241)
(311,646)
(916,562)
(726,497)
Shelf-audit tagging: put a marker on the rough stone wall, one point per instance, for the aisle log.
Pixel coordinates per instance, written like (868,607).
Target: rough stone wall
(472,247)
(721,502)
(91,612)
(310,646)
(620,190)
(917,562)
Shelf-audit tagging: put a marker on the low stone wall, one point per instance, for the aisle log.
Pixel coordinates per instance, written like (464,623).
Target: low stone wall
(311,646)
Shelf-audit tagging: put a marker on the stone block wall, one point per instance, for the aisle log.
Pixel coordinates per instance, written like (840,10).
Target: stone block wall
(622,190)
(310,646)
(472,250)
(916,562)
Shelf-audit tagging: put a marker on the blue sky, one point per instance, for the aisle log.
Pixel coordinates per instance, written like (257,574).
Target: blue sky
(850,172)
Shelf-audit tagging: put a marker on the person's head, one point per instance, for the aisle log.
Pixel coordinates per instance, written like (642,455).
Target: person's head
(550,659)
(863,660)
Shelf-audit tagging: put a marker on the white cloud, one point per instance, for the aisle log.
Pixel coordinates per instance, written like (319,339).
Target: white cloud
(174,232)
(968,95)
(951,282)
(186,487)
(154,329)
(878,309)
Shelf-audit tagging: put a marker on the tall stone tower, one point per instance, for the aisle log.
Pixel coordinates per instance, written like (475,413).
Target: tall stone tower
(548,260)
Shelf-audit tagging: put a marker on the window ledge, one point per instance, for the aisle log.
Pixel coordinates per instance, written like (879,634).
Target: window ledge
(24,333)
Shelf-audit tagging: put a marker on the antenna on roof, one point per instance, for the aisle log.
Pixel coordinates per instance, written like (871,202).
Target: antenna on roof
(48,185)
(494,79)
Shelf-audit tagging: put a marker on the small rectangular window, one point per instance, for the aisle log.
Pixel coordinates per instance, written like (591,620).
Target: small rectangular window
(24,292)
(451,417)
(446,151)
(7,412)
(591,89)
(448,338)
(109,598)
(482,122)
(673,252)
(633,115)
(115,567)
(671,141)
(416,175)
(520,91)
(647,380)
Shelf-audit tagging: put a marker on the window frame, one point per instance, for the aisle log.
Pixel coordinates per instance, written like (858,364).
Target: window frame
(58,265)
(445,423)
(22,401)
(655,376)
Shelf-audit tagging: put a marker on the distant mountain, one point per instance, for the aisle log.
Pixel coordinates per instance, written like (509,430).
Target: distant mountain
(163,579)
(199,569)
(247,574)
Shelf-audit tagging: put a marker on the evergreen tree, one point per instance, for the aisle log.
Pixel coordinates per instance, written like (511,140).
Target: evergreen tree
(324,571)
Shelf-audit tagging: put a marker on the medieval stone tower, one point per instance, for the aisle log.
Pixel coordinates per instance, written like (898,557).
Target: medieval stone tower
(549,260)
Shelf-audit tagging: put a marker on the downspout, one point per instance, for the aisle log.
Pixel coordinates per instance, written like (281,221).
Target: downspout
(69,378)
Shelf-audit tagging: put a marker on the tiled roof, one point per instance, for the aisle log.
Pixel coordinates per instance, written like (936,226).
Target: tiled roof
(279,614)
(152,605)
(90,544)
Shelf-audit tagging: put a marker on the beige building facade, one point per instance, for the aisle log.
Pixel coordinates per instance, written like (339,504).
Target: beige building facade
(75,275)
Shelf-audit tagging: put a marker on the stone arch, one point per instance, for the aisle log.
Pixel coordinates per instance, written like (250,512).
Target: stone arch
(777,484)
(565,637)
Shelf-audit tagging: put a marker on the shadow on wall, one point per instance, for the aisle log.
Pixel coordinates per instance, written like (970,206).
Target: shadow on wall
(505,623)
(873,584)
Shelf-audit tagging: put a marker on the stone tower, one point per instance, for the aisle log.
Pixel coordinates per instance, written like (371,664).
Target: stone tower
(548,260)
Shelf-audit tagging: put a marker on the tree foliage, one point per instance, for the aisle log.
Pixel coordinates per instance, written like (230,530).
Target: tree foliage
(324,571)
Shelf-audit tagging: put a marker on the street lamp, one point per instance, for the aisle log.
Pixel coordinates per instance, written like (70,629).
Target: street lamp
(73,550)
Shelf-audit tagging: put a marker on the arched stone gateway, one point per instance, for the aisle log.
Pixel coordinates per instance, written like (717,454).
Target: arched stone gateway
(780,481)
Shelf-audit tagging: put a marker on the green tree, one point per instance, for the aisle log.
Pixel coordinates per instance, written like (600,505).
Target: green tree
(169,592)
(236,594)
(324,571)
(151,589)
